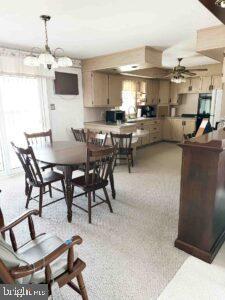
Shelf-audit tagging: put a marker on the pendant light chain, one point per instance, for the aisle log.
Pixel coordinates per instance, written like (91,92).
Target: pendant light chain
(46,37)
(47,59)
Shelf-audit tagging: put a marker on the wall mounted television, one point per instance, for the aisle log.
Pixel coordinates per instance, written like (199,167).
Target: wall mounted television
(66,84)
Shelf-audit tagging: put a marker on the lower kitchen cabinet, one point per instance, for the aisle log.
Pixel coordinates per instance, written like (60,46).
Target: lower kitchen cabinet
(173,129)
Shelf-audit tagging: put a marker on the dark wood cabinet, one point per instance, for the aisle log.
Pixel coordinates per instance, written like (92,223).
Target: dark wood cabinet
(201,230)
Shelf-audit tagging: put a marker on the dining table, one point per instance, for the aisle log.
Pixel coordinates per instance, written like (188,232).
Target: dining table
(69,156)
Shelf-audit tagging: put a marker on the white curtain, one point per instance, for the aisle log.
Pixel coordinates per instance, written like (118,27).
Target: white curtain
(128,95)
(23,109)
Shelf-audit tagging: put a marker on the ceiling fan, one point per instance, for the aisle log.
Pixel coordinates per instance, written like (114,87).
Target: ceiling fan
(179,72)
(216,7)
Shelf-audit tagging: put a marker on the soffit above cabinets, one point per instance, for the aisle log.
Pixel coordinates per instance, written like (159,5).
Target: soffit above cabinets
(211,42)
(140,58)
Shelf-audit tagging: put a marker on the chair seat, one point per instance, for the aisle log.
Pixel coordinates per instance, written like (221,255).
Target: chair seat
(45,166)
(124,151)
(39,248)
(92,185)
(50,177)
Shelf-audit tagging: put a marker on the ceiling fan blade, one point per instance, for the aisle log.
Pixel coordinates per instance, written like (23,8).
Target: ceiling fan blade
(188,73)
(198,70)
(215,10)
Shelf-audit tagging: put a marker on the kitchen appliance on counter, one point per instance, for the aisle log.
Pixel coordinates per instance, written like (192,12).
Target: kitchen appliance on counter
(115,116)
(148,111)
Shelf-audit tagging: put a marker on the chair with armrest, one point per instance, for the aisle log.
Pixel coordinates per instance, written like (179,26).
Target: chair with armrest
(44,258)
(36,178)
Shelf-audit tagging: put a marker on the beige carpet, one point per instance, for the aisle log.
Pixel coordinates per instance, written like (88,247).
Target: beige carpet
(130,253)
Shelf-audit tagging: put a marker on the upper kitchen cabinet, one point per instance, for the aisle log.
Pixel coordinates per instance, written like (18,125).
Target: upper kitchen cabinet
(195,85)
(102,90)
(217,82)
(164,92)
(183,88)
(152,92)
(115,90)
(206,84)
(174,96)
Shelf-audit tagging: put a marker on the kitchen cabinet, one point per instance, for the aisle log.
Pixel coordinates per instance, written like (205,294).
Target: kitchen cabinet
(115,90)
(102,90)
(183,88)
(206,84)
(174,96)
(167,130)
(195,85)
(173,129)
(152,92)
(164,92)
(176,130)
(217,82)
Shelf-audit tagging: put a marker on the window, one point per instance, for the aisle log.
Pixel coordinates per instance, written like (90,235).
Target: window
(22,109)
(128,95)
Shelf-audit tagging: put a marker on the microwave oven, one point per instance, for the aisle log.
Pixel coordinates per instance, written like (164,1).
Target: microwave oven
(112,116)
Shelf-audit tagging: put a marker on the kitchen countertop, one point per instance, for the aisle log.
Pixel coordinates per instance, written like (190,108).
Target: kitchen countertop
(179,117)
(103,123)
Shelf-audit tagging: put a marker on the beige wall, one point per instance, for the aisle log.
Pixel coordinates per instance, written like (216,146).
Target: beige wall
(189,104)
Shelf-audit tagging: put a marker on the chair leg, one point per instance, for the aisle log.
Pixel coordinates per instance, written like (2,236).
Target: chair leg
(63,187)
(128,163)
(40,201)
(94,196)
(29,195)
(132,159)
(50,190)
(107,199)
(89,207)
(82,287)
(26,186)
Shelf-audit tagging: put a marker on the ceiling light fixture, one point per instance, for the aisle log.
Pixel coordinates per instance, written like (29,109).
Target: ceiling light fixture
(178,79)
(50,60)
(220,3)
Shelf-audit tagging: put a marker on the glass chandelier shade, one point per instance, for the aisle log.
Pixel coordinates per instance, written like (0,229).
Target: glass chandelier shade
(47,59)
(178,79)
(220,3)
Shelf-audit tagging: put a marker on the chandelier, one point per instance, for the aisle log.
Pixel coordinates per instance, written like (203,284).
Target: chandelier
(47,58)
(178,79)
(220,3)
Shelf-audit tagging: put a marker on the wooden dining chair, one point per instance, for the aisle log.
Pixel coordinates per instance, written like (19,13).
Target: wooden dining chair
(79,135)
(36,178)
(124,150)
(96,138)
(44,258)
(39,139)
(98,166)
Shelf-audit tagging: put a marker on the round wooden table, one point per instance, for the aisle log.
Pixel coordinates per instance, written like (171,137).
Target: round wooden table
(68,155)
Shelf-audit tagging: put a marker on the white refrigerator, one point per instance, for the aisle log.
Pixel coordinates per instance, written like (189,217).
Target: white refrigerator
(216,107)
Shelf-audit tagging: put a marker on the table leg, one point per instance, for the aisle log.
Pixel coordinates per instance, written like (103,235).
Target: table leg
(111,179)
(68,170)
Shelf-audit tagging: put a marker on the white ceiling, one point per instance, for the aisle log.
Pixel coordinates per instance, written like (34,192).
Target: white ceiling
(87,28)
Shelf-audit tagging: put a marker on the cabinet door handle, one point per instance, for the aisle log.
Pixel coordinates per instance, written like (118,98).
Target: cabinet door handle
(108,101)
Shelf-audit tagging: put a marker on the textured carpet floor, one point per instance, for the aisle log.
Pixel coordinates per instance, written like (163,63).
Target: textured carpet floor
(130,253)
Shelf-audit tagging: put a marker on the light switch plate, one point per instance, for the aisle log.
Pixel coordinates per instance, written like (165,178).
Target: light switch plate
(52,106)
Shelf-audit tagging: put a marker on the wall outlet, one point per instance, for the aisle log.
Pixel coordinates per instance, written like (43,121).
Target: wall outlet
(52,106)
